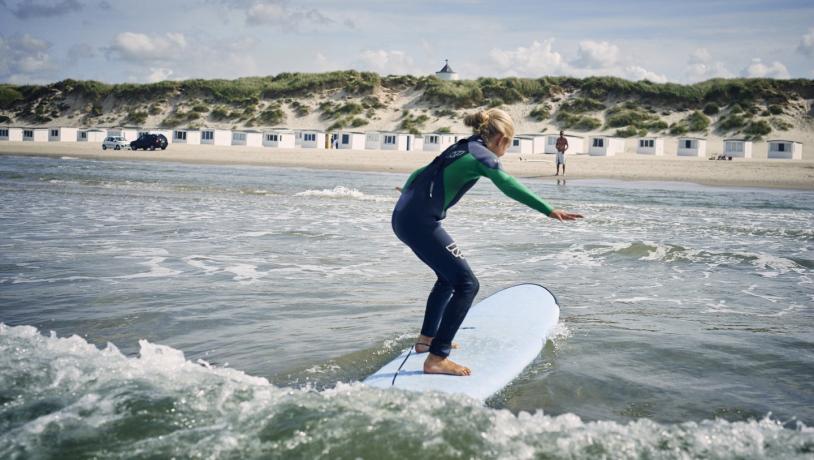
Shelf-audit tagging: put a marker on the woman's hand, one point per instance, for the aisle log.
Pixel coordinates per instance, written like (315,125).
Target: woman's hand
(562,216)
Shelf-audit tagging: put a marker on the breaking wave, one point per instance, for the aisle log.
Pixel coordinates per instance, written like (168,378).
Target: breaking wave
(65,397)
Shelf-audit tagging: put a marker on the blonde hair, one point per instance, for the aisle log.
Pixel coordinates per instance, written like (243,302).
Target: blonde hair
(487,123)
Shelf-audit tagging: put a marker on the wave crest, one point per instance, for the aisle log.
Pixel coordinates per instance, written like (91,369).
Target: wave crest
(343,192)
(64,394)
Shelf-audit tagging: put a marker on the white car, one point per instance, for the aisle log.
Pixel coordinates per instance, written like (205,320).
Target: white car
(115,143)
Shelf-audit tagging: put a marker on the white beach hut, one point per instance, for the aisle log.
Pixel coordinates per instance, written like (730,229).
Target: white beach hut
(62,134)
(738,148)
(576,144)
(350,140)
(91,135)
(522,145)
(538,142)
(186,136)
(212,136)
(248,138)
(310,139)
(35,134)
(784,150)
(279,138)
(11,134)
(417,142)
(403,142)
(650,146)
(691,147)
(604,146)
(373,140)
(128,134)
(437,142)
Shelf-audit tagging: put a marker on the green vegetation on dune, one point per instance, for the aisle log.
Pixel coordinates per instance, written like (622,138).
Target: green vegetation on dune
(696,122)
(541,112)
(634,117)
(568,120)
(354,98)
(582,105)
(412,123)
(757,129)
(9,96)
(273,115)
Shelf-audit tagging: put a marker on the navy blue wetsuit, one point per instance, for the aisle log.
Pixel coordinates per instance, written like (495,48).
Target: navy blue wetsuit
(425,198)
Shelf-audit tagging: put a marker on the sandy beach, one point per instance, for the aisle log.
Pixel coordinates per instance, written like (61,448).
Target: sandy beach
(628,167)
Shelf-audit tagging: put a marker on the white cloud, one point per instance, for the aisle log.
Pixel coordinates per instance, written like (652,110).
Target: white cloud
(24,59)
(176,56)
(596,55)
(701,66)
(133,46)
(760,70)
(388,62)
(700,56)
(540,59)
(806,46)
(636,73)
(535,60)
(279,14)
(157,74)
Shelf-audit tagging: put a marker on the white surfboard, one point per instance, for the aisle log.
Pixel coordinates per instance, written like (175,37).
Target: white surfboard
(500,336)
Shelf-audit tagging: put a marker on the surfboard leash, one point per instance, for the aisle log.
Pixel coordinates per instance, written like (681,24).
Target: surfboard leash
(405,360)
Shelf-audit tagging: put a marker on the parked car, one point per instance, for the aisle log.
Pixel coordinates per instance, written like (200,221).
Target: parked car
(115,143)
(150,141)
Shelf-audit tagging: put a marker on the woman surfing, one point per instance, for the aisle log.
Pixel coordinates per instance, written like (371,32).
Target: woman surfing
(425,198)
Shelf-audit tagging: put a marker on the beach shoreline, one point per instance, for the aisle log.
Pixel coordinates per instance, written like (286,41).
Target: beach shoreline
(775,174)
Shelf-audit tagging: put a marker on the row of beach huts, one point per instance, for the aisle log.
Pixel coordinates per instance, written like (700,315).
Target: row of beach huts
(524,144)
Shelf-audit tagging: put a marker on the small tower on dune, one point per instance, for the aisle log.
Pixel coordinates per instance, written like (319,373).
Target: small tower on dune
(447,73)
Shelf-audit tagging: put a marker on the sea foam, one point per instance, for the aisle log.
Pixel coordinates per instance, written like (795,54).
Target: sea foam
(100,403)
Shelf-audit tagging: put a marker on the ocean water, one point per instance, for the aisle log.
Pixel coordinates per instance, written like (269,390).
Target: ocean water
(157,310)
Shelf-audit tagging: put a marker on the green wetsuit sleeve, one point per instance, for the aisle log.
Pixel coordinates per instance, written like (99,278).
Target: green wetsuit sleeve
(412,177)
(512,188)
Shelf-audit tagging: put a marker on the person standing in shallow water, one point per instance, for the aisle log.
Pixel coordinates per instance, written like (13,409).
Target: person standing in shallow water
(562,146)
(425,198)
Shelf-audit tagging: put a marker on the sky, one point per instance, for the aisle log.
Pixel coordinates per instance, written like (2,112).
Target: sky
(685,41)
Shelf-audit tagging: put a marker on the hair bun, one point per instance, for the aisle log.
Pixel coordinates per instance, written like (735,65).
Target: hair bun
(489,122)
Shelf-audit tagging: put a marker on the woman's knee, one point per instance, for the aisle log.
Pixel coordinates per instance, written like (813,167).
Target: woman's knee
(468,285)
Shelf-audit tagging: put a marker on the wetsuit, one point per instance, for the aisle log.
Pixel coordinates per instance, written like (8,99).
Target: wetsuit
(425,198)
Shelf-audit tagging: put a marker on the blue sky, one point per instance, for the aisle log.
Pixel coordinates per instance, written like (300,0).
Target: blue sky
(150,40)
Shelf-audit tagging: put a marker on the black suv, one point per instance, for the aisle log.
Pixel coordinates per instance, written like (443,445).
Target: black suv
(149,141)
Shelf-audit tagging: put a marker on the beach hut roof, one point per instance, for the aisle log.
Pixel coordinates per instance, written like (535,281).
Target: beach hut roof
(783,140)
(732,139)
(694,138)
(558,133)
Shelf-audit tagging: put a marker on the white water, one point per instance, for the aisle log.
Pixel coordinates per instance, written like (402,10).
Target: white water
(686,317)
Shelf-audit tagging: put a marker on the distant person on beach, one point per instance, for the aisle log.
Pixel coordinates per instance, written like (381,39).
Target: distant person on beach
(425,198)
(562,146)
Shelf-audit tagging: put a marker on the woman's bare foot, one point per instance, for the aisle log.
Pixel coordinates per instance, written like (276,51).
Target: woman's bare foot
(423,343)
(438,365)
